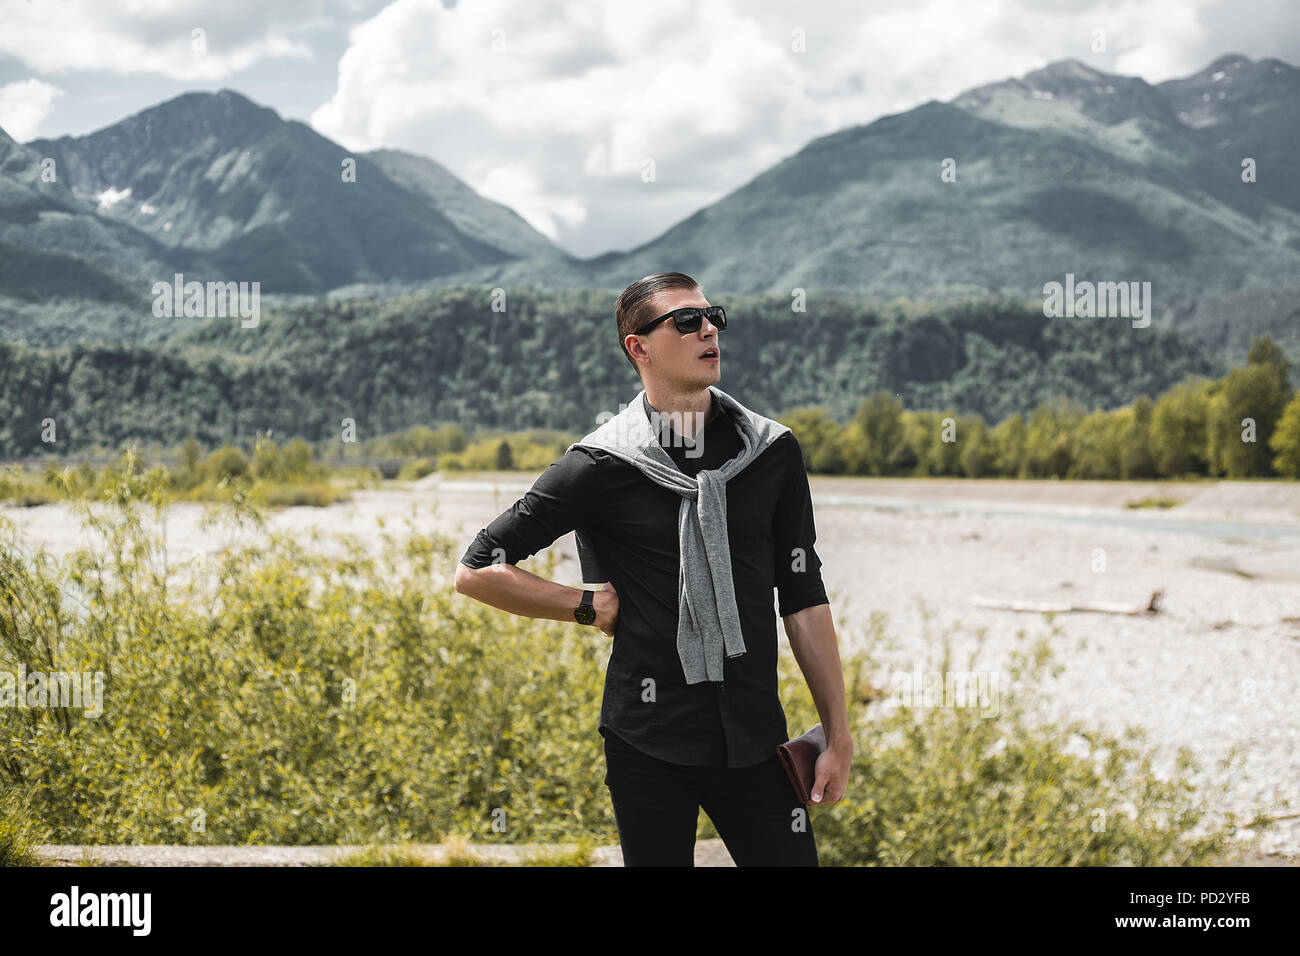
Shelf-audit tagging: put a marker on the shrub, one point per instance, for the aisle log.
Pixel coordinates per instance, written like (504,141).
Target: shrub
(226,462)
(18,491)
(17,832)
(415,470)
(317,494)
(948,786)
(289,697)
(292,693)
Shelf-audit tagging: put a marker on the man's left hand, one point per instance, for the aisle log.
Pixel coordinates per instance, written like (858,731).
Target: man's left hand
(831,776)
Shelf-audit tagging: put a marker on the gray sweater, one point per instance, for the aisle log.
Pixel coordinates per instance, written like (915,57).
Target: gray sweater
(708,624)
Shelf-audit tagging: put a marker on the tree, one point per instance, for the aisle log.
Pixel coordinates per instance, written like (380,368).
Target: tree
(419,442)
(505,457)
(1136,457)
(914,455)
(226,462)
(876,435)
(1242,416)
(191,472)
(296,460)
(1264,351)
(978,450)
(1178,428)
(450,439)
(1098,446)
(1049,438)
(1286,440)
(819,438)
(266,459)
(948,438)
(1009,446)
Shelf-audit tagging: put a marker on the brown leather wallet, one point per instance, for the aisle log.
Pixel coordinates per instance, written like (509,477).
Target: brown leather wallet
(799,757)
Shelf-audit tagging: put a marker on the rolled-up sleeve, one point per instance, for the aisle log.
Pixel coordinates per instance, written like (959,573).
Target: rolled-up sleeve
(559,501)
(797,566)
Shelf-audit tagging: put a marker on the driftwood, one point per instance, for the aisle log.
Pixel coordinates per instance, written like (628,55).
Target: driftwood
(1150,606)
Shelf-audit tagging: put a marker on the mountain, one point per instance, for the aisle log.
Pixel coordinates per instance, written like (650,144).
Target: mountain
(65,270)
(1247,109)
(262,198)
(489,222)
(1065,170)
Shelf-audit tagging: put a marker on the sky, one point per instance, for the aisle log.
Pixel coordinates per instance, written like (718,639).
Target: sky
(601,122)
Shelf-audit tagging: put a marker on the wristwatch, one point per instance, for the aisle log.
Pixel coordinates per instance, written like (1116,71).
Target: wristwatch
(585,613)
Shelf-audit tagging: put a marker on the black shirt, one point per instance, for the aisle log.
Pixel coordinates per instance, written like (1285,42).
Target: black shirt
(630,524)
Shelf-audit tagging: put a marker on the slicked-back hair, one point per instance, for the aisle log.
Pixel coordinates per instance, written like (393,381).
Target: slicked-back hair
(635,306)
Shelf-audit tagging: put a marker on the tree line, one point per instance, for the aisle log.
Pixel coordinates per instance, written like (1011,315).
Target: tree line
(1245,424)
(329,371)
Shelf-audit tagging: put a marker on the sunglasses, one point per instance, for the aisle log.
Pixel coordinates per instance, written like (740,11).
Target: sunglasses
(689,319)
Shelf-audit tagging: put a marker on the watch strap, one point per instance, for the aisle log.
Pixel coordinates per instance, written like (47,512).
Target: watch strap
(585,608)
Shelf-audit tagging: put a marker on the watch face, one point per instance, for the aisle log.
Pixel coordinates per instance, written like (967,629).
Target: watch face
(585,614)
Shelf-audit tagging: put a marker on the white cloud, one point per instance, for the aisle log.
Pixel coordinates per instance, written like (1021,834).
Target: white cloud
(555,106)
(24,106)
(1160,35)
(517,187)
(155,36)
(552,107)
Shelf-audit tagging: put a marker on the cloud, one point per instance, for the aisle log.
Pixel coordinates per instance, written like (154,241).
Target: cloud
(182,39)
(563,108)
(24,105)
(556,107)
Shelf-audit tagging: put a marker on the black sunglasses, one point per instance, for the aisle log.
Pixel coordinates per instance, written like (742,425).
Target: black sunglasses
(689,319)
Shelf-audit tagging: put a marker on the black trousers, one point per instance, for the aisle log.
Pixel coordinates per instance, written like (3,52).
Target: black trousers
(657,804)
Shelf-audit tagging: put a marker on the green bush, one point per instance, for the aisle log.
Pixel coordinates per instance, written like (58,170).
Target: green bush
(514,451)
(18,490)
(951,786)
(17,832)
(415,470)
(285,693)
(226,462)
(281,696)
(1154,501)
(316,494)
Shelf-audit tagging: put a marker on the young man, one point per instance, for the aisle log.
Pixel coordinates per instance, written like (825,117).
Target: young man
(694,509)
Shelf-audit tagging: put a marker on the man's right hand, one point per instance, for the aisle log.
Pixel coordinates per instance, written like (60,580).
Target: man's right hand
(605,601)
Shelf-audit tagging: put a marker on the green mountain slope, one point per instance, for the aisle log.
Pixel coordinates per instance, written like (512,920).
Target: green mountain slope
(552,361)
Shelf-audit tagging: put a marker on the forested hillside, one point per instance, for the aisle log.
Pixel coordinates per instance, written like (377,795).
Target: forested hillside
(551,360)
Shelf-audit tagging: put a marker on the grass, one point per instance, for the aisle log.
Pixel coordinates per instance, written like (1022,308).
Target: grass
(1154,501)
(18,833)
(459,852)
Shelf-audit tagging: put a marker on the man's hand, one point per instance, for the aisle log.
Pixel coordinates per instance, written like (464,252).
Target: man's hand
(831,775)
(816,649)
(605,601)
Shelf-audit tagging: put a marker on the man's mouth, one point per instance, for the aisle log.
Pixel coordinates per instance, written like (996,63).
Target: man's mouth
(710,354)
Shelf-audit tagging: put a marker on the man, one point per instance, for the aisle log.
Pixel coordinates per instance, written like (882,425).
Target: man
(690,715)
